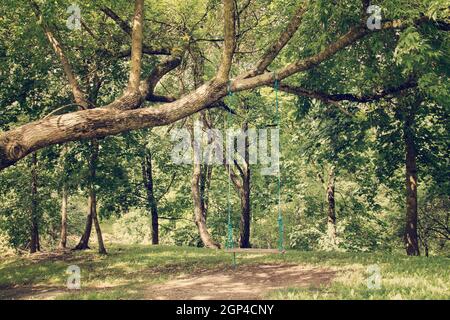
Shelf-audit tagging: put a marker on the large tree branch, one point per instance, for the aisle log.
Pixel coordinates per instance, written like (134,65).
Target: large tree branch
(95,123)
(132,98)
(136,47)
(137,91)
(354,34)
(284,38)
(78,94)
(229,13)
(148,86)
(18,142)
(335,98)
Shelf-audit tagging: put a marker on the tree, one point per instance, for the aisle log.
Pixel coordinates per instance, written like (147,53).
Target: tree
(122,115)
(63,232)
(147,174)
(113,76)
(238,169)
(91,217)
(34,234)
(411,237)
(200,184)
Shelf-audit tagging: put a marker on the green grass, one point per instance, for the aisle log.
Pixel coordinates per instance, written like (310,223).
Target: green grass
(127,270)
(401,277)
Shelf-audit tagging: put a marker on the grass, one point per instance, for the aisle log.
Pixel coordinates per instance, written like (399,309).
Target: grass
(409,278)
(128,269)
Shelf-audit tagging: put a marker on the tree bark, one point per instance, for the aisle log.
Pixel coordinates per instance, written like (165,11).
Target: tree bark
(410,235)
(200,213)
(136,47)
(244,241)
(331,218)
(34,241)
(84,241)
(63,238)
(200,207)
(98,231)
(147,172)
(92,204)
(93,194)
(240,177)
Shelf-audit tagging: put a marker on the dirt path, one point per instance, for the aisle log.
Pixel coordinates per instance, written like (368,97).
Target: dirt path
(249,282)
(246,282)
(30,293)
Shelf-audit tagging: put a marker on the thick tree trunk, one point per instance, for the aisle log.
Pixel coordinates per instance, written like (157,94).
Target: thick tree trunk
(63,238)
(34,234)
(331,219)
(147,172)
(410,236)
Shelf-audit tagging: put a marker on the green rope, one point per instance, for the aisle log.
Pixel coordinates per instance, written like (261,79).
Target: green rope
(229,244)
(280,216)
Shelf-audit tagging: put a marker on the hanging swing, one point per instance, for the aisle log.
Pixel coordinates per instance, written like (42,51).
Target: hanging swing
(229,247)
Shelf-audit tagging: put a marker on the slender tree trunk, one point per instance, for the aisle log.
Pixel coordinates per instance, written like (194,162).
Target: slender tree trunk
(98,231)
(34,241)
(84,241)
(410,236)
(331,219)
(93,195)
(63,239)
(200,209)
(425,244)
(147,172)
(244,241)
(92,204)
(241,181)
(199,188)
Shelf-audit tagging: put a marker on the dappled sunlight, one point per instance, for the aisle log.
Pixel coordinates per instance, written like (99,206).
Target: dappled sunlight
(148,272)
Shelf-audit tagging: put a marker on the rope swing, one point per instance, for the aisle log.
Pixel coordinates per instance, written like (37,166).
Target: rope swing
(280,215)
(230,243)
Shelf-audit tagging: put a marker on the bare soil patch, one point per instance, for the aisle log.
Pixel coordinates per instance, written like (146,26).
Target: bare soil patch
(246,282)
(250,282)
(30,293)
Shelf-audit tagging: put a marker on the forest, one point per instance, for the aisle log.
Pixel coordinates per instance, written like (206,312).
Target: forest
(172,137)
